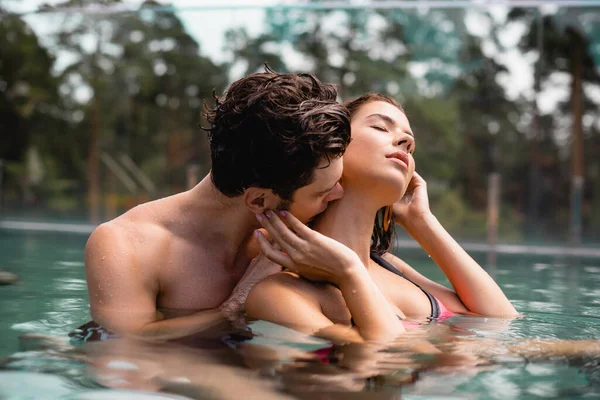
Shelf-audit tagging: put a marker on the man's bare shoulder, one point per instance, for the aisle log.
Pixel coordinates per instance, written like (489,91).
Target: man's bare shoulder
(139,234)
(134,225)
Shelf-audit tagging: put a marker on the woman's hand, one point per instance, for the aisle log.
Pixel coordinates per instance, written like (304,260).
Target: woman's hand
(317,257)
(415,202)
(304,251)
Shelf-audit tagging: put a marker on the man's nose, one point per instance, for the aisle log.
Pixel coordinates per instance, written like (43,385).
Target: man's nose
(336,193)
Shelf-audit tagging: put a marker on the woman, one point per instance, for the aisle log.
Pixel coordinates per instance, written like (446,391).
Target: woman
(341,284)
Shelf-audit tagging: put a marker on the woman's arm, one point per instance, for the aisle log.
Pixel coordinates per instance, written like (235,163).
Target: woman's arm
(308,252)
(476,289)
(473,285)
(289,301)
(284,300)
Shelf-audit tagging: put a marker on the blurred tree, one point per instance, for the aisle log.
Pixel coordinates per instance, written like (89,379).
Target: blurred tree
(86,37)
(487,123)
(355,50)
(137,80)
(28,99)
(166,80)
(251,54)
(428,60)
(564,46)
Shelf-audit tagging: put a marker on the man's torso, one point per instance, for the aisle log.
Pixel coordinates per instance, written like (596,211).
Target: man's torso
(191,267)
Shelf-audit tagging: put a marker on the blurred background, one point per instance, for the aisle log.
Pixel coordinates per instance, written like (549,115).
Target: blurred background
(100,101)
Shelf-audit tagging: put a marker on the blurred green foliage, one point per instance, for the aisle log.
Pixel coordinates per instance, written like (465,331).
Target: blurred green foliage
(135,83)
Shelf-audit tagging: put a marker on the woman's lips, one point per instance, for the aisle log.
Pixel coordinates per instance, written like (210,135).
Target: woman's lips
(400,158)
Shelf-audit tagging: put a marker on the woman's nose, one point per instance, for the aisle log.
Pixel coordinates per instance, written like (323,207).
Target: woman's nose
(407,143)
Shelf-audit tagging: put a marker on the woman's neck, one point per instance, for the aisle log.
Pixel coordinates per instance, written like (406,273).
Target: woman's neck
(350,221)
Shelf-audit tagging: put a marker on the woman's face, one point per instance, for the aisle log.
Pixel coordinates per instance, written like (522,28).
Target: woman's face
(379,158)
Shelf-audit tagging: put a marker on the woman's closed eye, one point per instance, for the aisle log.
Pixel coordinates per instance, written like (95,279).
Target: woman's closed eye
(379,128)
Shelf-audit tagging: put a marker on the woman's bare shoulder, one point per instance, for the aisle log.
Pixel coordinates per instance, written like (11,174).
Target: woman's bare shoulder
(284,298)
(287,281)
(287,287)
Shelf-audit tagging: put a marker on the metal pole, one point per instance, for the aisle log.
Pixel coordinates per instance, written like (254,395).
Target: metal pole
(534,171)
(577,153)
(1,184)
(576,202)
(493,216)
(192,177)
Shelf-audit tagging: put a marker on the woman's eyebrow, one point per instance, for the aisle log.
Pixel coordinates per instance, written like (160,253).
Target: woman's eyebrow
(388,121)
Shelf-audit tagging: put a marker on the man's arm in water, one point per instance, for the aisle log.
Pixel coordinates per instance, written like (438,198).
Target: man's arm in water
(124,284)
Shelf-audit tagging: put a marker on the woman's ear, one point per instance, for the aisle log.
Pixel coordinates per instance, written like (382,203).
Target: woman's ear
(259,200)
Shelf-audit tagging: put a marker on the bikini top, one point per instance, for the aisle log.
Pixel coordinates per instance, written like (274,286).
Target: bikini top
(435,306)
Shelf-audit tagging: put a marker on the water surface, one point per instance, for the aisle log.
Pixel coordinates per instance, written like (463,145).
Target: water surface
(559,299)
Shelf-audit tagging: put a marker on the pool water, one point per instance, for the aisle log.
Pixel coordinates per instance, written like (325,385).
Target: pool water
(560,300)
(51,295)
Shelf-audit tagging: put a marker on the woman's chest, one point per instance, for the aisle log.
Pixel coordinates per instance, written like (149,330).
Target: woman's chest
(406,298)
(403,294)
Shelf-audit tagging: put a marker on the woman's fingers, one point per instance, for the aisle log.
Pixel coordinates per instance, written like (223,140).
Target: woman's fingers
(417,176)
(412,184)
(289,236)
(301,230)
(417,180)
(275,233)
(271,253)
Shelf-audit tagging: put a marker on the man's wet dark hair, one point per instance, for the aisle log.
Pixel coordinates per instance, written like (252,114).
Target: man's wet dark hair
(272,130)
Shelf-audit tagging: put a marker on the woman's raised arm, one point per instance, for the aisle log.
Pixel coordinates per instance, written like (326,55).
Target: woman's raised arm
(474,286)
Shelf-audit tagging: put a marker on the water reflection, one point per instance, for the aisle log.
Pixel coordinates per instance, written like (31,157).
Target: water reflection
(463,357)
(196,373)
(457,353)
(342,369)
(71,284)
(294,363)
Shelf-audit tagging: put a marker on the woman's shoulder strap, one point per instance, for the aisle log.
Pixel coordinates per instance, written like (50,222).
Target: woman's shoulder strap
(385,264)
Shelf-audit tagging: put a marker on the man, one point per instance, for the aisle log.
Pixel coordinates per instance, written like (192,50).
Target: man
(276,143)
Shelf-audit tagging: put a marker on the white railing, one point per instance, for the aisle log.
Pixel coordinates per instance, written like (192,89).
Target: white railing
(324,5)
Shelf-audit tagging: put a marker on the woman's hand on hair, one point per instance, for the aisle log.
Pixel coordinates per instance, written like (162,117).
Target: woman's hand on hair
(305,251)
(414,204)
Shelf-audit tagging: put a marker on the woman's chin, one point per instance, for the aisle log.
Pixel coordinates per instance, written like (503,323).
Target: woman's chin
(396,190)
(389,188)
(392,196)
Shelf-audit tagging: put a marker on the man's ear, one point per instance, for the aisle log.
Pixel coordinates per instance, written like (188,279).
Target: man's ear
(259,200)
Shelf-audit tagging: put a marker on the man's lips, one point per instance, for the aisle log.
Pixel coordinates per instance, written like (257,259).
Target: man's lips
(400,157)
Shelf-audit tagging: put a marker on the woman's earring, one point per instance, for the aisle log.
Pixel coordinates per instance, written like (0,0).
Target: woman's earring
(388,218)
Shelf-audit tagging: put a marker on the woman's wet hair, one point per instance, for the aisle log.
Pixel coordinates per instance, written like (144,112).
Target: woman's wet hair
(272,130)
(381,239)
